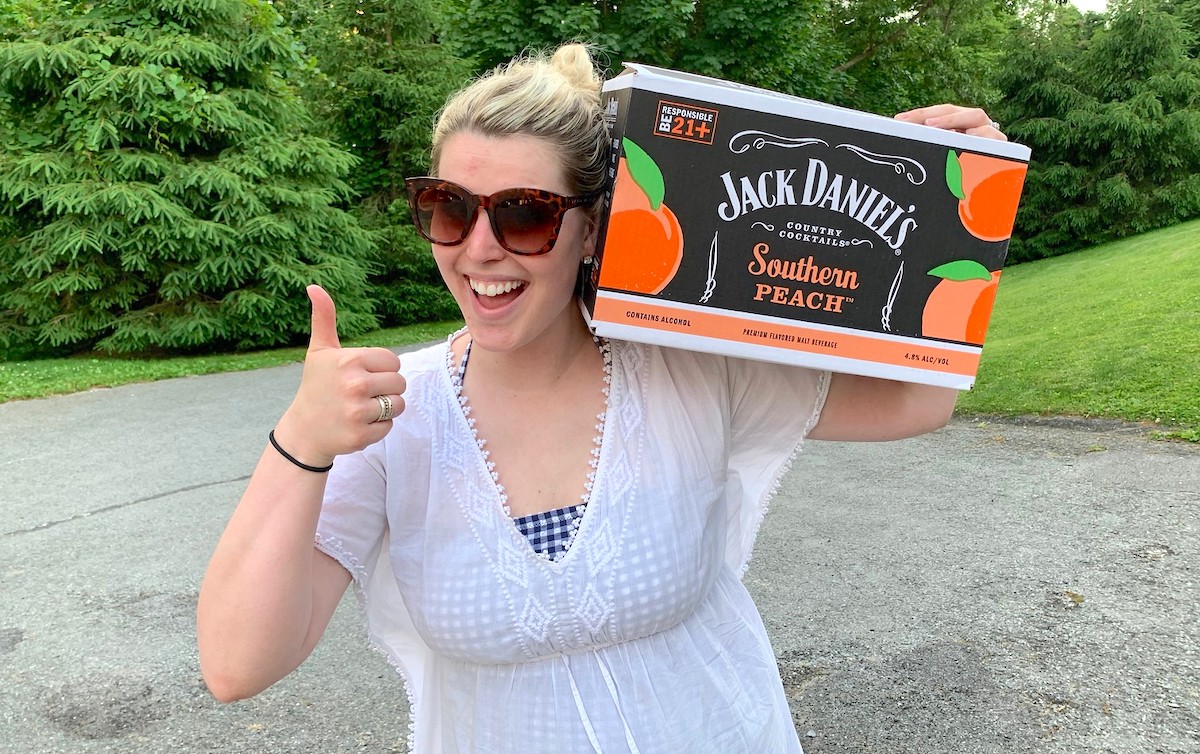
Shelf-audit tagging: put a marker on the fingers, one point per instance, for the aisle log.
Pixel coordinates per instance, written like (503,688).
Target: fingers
(324,320)
(377,359)
(385,407)
(949,117)
(337,409)
(990,131)
(356,389)
(968,120)
(363,388)
(923,115)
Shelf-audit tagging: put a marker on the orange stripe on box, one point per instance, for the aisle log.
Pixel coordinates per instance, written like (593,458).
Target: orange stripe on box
(927,356)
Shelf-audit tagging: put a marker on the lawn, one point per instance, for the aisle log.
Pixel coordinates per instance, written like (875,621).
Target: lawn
(1109,332)
(36,379)
(1112,331)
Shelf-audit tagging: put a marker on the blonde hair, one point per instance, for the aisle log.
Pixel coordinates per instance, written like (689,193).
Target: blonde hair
(554,98)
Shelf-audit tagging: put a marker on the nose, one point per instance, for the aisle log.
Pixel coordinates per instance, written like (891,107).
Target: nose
(481,243)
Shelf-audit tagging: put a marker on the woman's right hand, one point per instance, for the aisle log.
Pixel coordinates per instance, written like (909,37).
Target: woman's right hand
(336,408)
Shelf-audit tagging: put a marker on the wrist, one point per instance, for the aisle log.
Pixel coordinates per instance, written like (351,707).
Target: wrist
(291,446)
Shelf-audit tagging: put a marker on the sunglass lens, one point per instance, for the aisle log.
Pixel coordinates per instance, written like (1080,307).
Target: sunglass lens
(526,223)
(443,215)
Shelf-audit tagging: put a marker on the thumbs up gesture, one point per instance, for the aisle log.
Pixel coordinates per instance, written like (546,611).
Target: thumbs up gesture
(347,396)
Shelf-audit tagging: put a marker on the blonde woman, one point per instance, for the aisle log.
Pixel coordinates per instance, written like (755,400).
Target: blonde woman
(547,531)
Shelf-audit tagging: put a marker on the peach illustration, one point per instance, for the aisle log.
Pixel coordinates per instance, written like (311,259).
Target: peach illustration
(961,304)
(644,245)
(988,189)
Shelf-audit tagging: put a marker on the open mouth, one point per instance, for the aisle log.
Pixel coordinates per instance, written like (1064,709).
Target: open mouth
(495,294)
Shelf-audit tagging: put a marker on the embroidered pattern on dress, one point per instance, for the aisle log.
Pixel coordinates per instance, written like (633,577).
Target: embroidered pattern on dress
(336,549)
(603,549)
(621,474)
(592,610)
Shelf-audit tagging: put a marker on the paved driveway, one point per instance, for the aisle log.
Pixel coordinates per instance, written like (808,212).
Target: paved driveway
(992,587)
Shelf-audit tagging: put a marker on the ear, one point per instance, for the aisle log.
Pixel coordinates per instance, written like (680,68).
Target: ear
(588,247)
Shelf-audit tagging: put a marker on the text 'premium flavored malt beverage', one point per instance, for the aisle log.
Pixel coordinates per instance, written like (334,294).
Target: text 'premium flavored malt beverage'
(759,225)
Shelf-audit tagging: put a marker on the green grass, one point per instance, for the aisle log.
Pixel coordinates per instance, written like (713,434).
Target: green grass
(39,378)
(1112,331)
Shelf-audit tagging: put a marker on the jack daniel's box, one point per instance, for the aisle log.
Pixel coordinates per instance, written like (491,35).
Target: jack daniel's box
(759,225)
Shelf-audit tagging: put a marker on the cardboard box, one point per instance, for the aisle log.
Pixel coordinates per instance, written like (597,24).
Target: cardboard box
(755,224)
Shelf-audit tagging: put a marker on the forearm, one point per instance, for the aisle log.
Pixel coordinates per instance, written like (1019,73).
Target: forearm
(268,594)
(256,603)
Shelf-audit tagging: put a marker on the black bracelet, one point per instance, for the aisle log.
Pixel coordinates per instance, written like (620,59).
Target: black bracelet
(290,457)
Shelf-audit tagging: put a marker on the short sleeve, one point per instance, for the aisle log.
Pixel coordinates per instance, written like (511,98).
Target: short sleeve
(770,403)
(353,520)
(773,407)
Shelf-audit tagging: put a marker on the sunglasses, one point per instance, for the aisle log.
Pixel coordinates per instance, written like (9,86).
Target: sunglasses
(524,220)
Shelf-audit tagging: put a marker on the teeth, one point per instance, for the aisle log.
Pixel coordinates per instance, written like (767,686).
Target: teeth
(495,289)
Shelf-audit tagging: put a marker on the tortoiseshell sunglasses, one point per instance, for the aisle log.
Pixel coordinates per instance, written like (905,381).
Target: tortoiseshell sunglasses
(524,220)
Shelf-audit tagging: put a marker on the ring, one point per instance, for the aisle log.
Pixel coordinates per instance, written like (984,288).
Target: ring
(386,408)
(995,125)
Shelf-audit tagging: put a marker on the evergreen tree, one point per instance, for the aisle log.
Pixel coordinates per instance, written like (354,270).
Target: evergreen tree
(782,45)
(1187,11)
(1112,114)
(161,186)
(491,32)
(901,54)
(381,79)
(19,16)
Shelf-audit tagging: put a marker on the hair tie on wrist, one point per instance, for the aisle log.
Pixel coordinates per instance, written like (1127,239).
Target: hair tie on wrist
(290,457)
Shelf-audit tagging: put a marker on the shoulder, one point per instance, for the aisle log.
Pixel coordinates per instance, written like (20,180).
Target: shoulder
(657,369)
(425,362)
(673,361)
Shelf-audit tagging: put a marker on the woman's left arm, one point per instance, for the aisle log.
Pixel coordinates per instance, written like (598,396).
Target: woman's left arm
(872,409)
(869,409)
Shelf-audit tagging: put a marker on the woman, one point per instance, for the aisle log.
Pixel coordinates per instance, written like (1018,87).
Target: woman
(549,540)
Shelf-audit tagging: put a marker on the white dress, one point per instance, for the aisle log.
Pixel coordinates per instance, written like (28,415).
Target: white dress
(641,638)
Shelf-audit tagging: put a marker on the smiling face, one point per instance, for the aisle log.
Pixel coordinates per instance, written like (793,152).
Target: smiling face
(511,302)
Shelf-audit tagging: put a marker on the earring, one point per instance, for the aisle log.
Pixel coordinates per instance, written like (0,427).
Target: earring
(587,261)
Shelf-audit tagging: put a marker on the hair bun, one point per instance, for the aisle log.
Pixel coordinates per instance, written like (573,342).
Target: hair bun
(574,62)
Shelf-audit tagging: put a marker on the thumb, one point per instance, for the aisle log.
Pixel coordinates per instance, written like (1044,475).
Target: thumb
(324,320)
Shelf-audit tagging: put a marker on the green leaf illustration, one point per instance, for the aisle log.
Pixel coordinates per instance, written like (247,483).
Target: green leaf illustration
(954,175)
(961,269)
(645,173)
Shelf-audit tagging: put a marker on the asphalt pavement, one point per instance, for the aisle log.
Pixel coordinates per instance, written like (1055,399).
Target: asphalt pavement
(996,586)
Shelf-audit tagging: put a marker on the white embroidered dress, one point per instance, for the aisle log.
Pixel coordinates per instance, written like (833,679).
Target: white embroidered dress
(641,638)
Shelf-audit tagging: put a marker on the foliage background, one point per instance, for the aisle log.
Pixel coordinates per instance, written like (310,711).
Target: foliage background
(306,114)
(162,186)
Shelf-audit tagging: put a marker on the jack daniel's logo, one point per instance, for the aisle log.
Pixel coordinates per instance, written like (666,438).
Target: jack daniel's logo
(822,188)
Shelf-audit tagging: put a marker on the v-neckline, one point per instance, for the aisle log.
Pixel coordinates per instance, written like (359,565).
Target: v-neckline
(487,468)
